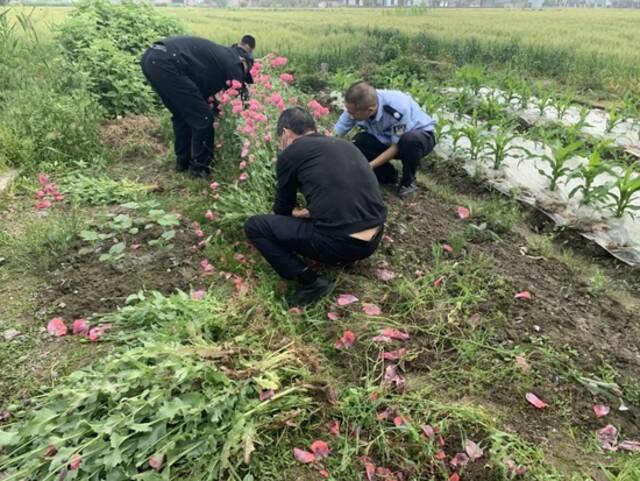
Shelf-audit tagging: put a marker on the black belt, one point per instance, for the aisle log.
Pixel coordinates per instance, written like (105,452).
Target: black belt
(159,46)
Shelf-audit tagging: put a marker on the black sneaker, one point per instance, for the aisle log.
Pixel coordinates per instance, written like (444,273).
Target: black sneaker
(310,293)
(405,191)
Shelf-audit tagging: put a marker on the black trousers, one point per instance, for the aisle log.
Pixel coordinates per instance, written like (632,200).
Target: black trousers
(281,239)
(192,117)
(413,146)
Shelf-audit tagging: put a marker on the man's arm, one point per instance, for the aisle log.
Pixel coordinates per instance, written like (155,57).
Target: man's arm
(385,156)
(344,124)
(287,187)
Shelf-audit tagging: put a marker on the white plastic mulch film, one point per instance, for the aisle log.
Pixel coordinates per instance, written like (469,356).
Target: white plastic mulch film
(521,174)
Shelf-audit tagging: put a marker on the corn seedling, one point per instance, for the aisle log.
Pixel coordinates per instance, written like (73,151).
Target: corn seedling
(477,140)
(625,190)
(562,104)
(614,117)
(557,161)
(463,102)
(588,173)
(499,146)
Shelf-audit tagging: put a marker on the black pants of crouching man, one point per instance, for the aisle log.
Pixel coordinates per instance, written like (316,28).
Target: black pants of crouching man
(413,146)
(192,117)
(283,239)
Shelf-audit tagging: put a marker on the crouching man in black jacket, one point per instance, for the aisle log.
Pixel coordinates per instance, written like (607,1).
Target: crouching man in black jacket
(345,214)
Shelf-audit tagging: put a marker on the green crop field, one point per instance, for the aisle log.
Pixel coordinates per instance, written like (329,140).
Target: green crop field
(493,335)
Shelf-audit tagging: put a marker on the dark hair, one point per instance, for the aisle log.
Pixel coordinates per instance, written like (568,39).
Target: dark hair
(249,40)
(296,119)
(361,95)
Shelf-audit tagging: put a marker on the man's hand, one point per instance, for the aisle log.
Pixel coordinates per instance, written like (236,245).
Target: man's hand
(300,213)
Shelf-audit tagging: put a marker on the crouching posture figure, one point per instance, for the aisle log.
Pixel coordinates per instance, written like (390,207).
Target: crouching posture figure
(344,216)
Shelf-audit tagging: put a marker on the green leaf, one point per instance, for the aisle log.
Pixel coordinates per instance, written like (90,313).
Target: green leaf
(8,438)
(117,248)
(89,235)
(168,235)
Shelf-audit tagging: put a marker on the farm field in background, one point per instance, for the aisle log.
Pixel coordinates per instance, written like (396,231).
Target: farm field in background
(490,338)
(581,48)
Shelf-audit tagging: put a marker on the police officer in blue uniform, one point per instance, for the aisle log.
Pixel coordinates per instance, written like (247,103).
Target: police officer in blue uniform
(185,72)
(394,127)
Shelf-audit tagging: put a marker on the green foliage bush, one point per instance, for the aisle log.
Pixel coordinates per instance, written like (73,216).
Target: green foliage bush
(105,42)
(40,125)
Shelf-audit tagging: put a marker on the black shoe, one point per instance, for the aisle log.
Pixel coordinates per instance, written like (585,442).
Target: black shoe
(405,191)
(199,173)
(309,293)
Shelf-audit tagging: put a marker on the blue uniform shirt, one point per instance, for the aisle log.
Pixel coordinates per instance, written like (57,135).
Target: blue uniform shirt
(385,126)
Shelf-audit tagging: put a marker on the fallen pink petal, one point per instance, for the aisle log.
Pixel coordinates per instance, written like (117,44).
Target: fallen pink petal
(522,363)
(628,445)
(394,355)
(75,462)
(346,299)
(80,327)
(156,461)
(333,316)
(473,450)
(454,477)
(198,295)
(438,281)
(398,421)
(371,310)
(447,248)
(266,394)
(463,212)
(334,427)
(56,327)
(347,340)
(395,334)
(600,410)
(535,401)
(459,460)
(385,274)
(97,332)
(607,437)
(304,457)
(428,431)
(381,339)
(525,295)
(320,449)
